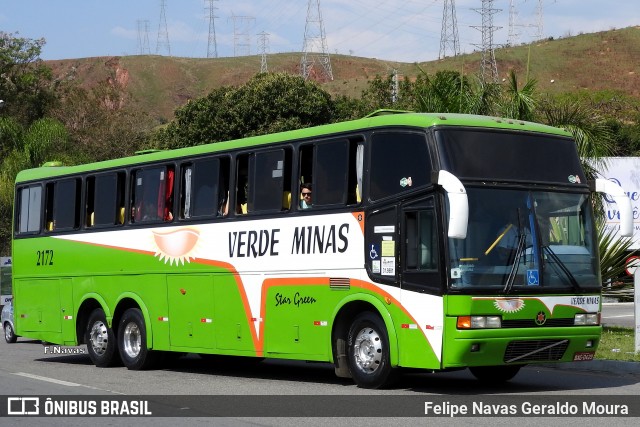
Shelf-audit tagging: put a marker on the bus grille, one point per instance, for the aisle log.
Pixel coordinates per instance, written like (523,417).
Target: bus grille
(530,323)
(535,350)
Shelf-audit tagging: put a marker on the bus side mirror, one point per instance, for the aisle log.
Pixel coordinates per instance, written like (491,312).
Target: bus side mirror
(623,202)
(458,204)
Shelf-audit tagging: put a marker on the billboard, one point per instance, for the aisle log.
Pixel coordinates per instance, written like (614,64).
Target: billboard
(624,171)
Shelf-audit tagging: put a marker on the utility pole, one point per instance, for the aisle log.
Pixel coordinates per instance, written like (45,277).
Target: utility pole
(263,47)
(241,35)
(514,34)
(488,66)
(315,48)
(163,31)
(143,37)
(539,20)
(449,36)
(395,87)
(212,45)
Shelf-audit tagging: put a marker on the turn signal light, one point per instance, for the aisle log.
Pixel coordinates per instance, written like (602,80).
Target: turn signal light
(479,322)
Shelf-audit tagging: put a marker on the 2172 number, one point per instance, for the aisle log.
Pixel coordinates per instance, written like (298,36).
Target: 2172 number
(44,257)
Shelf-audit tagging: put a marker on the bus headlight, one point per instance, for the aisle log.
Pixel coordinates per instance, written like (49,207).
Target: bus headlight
(586,319)
(479,322)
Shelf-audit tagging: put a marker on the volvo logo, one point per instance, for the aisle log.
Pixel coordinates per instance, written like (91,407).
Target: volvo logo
(541,318)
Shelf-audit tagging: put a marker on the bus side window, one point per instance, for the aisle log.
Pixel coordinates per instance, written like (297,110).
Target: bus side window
(105,199)
(334,168)
(150,194)
(205,188)
(242,185)
(62,202)
(29,209)
(269,180)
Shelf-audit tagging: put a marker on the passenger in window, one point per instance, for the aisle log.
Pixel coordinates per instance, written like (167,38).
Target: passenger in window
(305,196)
(223,205)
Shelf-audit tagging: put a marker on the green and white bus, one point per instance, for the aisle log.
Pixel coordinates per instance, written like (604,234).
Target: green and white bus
(433,241)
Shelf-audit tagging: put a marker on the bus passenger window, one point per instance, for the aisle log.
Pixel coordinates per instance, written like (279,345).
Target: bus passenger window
(29,209)
(148,190)
(105,199)
(168,196)
(242,185)
(62,202)
(205,188)
(267,174)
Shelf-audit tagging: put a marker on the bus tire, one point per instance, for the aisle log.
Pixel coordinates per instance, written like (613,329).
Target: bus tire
(368,352)
(9,334)
(495,374)
(100,339)
(132,341)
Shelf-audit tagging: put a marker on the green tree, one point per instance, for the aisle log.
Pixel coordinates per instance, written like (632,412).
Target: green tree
(101,122)
(45,140)
(267,103)
(26,84)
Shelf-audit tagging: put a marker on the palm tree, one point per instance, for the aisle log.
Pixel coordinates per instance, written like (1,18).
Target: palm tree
(518,103)
(593,137)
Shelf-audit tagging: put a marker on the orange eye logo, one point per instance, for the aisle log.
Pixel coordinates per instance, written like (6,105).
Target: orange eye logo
(176,246)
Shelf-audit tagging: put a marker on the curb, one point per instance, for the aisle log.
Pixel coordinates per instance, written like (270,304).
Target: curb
(610,366)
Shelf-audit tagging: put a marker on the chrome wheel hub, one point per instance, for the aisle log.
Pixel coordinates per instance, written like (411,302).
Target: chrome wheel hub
(132,340)
(368,350)
(99,338)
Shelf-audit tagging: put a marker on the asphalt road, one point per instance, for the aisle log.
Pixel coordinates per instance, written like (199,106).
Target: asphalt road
(197,390)
(618,314)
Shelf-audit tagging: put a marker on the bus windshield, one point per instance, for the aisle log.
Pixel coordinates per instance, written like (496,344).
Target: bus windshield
(520,240)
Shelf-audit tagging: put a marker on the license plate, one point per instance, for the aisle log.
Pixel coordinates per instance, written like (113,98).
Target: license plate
(583,356)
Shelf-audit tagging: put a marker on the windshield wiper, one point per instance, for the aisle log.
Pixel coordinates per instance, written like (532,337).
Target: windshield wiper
(558,262)
(516,261)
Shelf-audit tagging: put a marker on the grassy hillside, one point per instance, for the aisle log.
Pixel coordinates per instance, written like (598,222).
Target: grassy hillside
(158,85)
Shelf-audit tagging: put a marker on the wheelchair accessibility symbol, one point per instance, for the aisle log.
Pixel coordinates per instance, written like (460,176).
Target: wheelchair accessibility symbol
(533,277)
(374,253)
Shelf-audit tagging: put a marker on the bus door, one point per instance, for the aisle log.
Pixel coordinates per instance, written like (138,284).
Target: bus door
(381,245)
(419,252)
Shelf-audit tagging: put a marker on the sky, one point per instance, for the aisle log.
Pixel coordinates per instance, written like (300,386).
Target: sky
(393,30)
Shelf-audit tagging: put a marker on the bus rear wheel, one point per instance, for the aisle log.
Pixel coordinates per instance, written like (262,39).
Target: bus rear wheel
(368,352)
(100,339)
(495,374)
(132,341)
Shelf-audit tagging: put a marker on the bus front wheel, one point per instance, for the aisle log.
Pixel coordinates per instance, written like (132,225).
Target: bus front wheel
(368,352)
(132,341)
(495,374)
(101,342)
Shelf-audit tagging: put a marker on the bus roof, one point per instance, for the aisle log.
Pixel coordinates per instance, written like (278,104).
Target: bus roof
(380,118)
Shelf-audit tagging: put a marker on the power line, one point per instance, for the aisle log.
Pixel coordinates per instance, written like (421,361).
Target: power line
(263,47)
(315,48)
(488,66)
(163,32)
(143,37)
(241,34)
(449,36)
(514,34)
(212,45)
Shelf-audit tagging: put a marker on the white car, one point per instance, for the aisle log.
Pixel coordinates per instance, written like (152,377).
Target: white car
(7,324)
